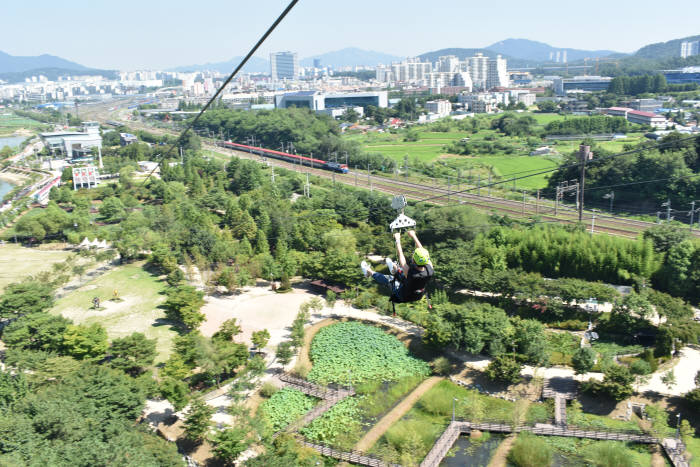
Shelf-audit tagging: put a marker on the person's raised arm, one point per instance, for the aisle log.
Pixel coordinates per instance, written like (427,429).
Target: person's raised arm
(412,234)
(399,252)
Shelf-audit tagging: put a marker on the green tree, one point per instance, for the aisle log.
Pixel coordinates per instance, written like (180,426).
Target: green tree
(230,443)
(504,368)
(284,353)
(112,209)
(175,391)
(583,360)
(617,382)
(26,297)
(260,338)
(228,330)
(36,331)
(132,354)
(85,342)
(13,387)
(198,420)
(183,304)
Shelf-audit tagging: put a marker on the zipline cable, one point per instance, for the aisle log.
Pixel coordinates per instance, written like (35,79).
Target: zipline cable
(221,88)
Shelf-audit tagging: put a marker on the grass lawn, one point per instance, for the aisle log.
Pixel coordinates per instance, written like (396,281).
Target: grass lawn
(140,292)
(693,447)
(505,165)
(17,262)
(576,450)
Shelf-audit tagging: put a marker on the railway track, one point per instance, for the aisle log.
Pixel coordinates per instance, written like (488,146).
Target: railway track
(620,227)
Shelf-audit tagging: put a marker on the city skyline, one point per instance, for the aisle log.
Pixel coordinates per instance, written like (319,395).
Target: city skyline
(179,34)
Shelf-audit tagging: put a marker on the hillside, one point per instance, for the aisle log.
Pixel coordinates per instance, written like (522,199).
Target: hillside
(462,53)
(14,64)
(526,49)
(661,50)
(53,74)
(351,56)
(254,65)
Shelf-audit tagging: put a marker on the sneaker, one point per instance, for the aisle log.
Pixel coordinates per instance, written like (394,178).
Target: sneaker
(365,269)
(390,264)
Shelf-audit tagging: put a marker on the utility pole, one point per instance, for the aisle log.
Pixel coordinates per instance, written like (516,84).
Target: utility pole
(584,155)
(667,204)
(691,214)
(523,211)
(448,189)
(489,192)
(593,222)
(355,174)
(307,187)
(369,180)
(273,173)
(478,186)
(537,204)
(405,166)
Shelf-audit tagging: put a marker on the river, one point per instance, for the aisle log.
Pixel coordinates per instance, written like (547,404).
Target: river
(5,188)
(12,141)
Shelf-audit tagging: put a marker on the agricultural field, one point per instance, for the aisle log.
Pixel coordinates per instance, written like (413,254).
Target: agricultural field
(357,353)
(18,262)
(9,123)
(136,310)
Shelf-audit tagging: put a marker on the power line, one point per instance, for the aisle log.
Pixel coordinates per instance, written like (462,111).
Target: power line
(223,86)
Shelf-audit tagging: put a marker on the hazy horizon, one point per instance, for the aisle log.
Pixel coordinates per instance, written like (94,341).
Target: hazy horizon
(143,35)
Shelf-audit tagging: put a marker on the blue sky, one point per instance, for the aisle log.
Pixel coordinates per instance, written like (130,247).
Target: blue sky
(131,34)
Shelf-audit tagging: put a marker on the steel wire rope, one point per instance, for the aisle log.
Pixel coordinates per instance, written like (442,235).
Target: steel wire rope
(223,86)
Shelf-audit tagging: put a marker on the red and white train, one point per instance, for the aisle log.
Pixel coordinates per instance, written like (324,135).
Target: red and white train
(285,156)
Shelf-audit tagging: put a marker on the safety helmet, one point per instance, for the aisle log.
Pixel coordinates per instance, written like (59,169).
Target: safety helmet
(421,256)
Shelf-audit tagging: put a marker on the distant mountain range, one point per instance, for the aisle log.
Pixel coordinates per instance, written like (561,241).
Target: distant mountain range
(14,64)
(351,56)
(526,49)
(254,65)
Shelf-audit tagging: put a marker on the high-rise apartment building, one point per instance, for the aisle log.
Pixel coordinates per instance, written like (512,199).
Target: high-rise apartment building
(497,75)
(479,70)
(447,64)
(284,65)
(690,48)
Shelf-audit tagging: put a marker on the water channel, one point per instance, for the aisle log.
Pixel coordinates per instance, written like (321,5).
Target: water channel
(473,452)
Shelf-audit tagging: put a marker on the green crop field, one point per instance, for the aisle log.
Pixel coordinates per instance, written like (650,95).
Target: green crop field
(140,293)
(10,122)
(18,262)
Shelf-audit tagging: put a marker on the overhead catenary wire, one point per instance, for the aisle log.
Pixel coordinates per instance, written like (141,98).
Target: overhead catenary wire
(225,83)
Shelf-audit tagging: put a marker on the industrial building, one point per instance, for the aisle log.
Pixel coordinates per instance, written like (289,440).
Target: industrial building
(638,117)
(687,75)
(74,144)
(562,86)
(439,107)
(318,101)
(284,65)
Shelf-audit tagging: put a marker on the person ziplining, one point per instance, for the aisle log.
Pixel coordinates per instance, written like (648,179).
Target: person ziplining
(407,282)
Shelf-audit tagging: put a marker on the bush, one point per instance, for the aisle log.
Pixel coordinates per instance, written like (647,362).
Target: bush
(330,298)
(363,301)
(268,389)
(609,454)
(640,367)
(504,368)
(301,370)
(441,366)
(530,451)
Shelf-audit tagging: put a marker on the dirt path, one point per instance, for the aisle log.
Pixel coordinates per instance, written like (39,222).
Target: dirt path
(396,413)
(500,456)
(657,458)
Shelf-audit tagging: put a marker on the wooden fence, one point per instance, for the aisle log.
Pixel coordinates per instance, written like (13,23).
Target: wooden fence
(356,457)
